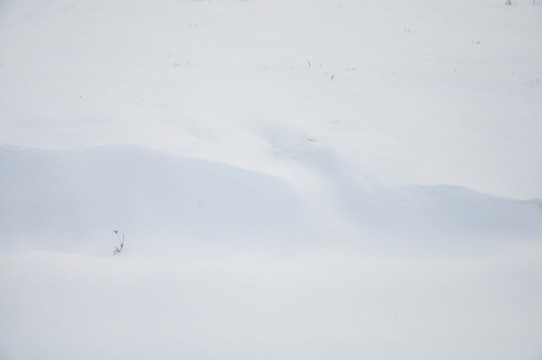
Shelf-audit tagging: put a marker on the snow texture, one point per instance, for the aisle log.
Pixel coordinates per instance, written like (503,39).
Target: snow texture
(309,179)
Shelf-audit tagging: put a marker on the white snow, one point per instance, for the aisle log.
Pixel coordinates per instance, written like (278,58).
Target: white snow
(307,179)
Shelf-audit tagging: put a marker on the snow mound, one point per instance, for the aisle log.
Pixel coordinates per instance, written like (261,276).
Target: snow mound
(70,198)
(73,199)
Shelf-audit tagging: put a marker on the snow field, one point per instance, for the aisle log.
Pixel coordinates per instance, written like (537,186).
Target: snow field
(322,307)
(312,179)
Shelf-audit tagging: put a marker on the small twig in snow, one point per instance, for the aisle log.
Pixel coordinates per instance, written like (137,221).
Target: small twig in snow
(118,249)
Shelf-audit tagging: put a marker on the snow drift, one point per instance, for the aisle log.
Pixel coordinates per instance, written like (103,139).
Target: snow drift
(65,200)
(310,179)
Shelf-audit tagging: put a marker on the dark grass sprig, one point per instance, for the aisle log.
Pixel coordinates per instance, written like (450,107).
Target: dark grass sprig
(118,249)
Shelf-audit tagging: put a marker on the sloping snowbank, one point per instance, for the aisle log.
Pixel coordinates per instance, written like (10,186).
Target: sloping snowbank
(72,200)
(68,200)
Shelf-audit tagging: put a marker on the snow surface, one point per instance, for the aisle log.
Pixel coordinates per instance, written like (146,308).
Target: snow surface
(307,179)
